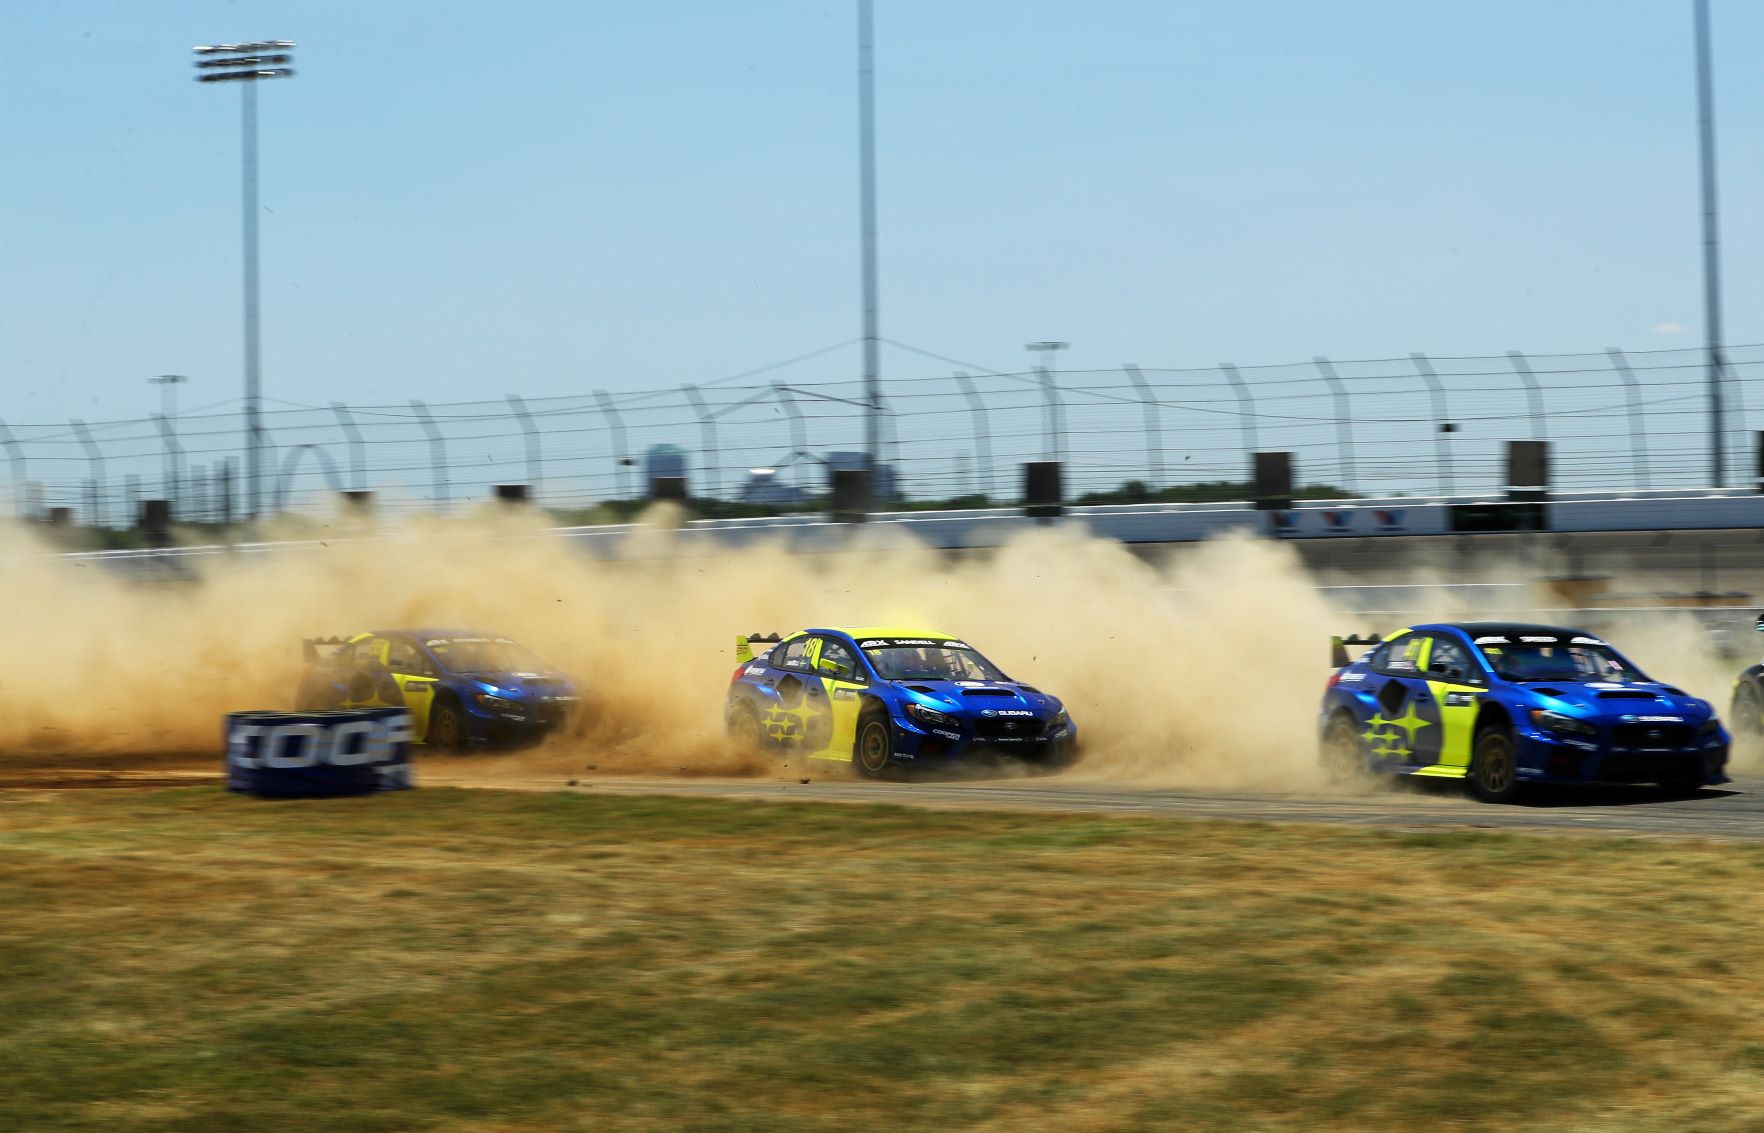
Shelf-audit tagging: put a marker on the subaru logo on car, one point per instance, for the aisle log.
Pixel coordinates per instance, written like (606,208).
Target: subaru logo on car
(988,712)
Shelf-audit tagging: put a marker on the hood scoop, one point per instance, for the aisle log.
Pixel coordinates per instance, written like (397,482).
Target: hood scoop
(989,692)
(1628,695)
(1548,691)
(923,689)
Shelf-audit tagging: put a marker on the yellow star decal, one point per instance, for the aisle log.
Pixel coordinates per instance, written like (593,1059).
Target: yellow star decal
(1411,723)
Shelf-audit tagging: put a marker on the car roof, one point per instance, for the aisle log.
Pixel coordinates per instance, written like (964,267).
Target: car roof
(888,631)
(426,635)
(1506,629)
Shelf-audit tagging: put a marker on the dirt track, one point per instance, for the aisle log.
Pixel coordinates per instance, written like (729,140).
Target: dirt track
(1733,811)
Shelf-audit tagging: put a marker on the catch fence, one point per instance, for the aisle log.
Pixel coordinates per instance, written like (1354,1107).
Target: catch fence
(1410,425)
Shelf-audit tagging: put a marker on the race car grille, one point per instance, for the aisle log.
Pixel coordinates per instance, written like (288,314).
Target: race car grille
(1008,727)
(1637,768)
(1652,735)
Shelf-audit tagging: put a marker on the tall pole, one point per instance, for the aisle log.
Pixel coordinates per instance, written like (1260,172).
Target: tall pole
(248,64)
(1711,244)
(867,176)
(168,413)
(253,344)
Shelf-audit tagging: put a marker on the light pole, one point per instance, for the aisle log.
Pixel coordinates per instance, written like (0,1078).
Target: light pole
(168,412)
(246,64)
(1044,353)
(1711,243)
(867,223)
(168,394)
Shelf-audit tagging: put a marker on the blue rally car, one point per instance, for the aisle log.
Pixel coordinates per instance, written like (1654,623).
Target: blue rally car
(461,687)
(878,697)
(1505,704)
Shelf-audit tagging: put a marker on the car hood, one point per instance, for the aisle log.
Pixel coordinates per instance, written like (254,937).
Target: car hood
(526,684)
(1595,699)
(978,696)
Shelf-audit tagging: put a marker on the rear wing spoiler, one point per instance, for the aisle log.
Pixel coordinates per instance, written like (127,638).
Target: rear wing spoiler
(1338,648)
(744,644)
(309,647)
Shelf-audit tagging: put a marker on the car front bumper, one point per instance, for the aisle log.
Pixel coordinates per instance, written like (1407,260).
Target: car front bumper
(916,743)
(1546,758)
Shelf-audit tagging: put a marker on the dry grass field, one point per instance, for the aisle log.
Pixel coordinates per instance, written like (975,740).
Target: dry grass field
(182,960)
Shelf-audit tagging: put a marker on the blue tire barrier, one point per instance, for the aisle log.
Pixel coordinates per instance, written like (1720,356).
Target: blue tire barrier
(355,751)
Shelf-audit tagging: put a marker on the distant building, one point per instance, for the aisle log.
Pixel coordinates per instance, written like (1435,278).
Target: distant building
(764,487)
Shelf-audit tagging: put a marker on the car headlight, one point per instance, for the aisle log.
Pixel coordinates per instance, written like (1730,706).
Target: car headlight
(1060,719)
(1562,724)
(931,716)
(1709,727)
(498,704)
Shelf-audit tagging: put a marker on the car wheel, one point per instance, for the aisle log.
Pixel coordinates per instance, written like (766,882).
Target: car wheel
(873,746)
(1747,714)
(446,727)
(745,732)
(1060,755)
(1494,767)
(1340,752)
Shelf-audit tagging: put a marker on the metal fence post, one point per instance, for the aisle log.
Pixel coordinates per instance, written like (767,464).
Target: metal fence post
(620,453)
(95,461)
(982,432)
(1246,407)
(1054,416)
(1533,393)
(1442,445)
(1154,428)
(196,477)
(20,472)
(707,432)
(357,450)
(437,452)
(530,438)
(174,461)
(291,464)
(798,437)
(1344,422)
(1638,435)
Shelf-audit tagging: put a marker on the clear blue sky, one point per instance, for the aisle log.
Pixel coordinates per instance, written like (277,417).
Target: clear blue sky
(545,197)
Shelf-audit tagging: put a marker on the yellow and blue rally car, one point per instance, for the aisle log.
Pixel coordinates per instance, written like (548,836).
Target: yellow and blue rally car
(882,696)
(1507,704)
(461,687)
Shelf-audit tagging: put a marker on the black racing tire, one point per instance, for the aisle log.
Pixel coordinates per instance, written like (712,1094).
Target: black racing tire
(1747,714)
(1340,752)
(1494,766)
(872,749)
(1060,755)
(447,727)
(746,732)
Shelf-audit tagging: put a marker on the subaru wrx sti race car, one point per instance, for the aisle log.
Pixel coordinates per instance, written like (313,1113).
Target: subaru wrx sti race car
(877,697)
(1747,712)
(1507,704)
(460,687)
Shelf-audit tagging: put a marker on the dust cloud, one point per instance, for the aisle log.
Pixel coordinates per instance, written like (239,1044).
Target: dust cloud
(1202,670)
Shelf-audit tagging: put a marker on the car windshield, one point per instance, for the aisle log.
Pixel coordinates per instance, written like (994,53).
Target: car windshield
(484,655)
(931,663)
(1560,661)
